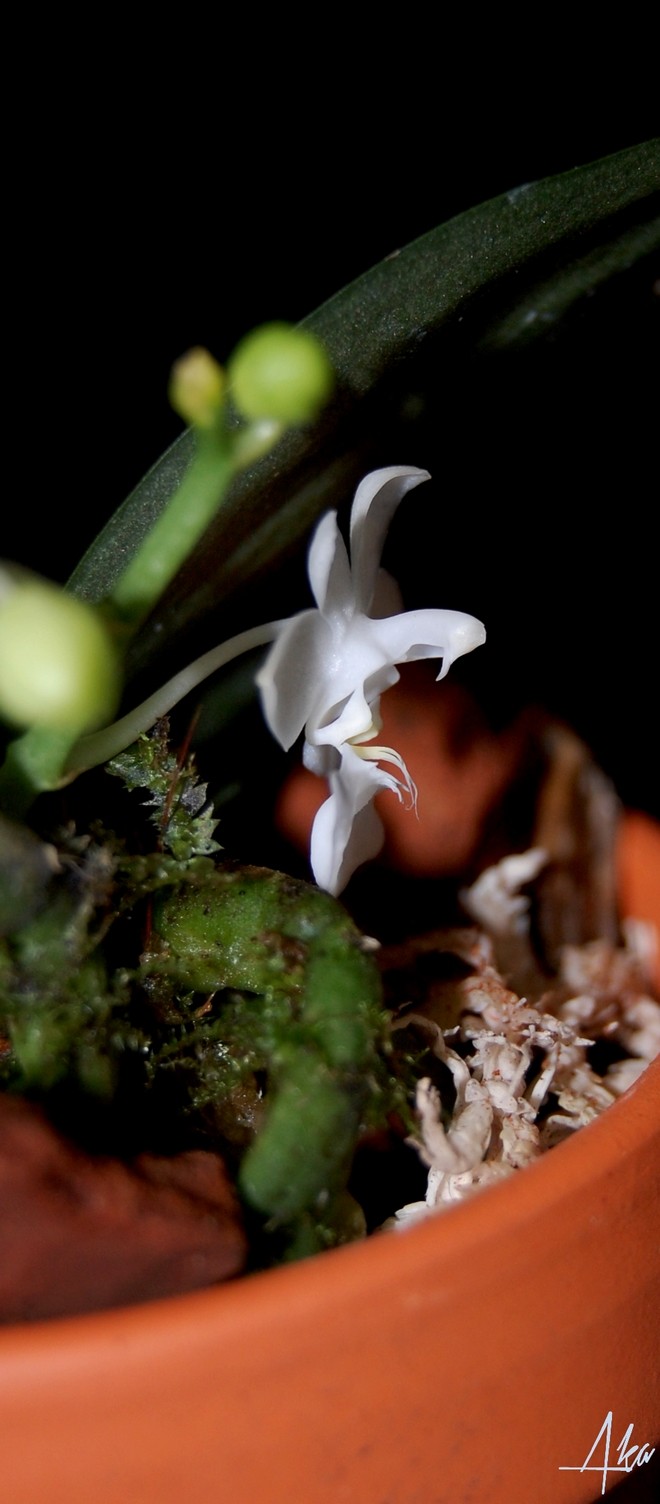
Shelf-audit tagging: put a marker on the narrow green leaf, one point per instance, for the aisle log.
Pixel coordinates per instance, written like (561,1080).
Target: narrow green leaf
(508,271)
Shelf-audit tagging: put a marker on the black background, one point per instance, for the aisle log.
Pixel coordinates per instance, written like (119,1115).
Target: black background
(160,209)
(127,247)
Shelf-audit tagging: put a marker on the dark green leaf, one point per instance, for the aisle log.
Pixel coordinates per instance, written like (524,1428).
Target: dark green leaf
(505,273)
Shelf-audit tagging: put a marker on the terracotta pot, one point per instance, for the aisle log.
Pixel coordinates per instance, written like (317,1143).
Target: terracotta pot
(475,1356)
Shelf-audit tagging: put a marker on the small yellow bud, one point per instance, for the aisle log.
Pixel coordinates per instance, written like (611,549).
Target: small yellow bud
(197,388)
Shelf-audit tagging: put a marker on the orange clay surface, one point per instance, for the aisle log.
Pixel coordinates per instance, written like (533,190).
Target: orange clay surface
(638,860)
(469,1358)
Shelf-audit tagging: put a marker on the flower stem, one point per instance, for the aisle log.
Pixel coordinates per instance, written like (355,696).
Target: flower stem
(89,751)
(177,530)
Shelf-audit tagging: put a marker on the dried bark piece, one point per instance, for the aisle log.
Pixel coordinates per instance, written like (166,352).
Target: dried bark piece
(81,1233)
(576,824)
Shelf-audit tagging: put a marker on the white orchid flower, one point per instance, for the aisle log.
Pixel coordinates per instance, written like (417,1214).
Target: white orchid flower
(326,672)
(329,666)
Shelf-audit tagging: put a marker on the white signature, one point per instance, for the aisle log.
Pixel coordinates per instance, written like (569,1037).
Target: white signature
(628,1456)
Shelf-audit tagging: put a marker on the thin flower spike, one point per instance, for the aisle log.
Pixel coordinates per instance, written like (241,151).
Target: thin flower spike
(329,666)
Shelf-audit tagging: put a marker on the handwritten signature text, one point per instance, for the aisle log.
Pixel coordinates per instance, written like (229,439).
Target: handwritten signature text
(629,1455)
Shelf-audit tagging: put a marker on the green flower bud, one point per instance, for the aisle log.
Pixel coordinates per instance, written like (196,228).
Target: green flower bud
(280,372)
(58,665)
(197,388)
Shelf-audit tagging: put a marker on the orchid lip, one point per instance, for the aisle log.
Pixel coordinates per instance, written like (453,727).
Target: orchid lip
(405,786)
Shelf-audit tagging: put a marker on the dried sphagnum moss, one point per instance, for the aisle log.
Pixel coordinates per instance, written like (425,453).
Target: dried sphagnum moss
(519,1075)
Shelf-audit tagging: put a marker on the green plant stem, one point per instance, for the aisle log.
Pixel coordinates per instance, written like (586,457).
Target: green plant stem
(177,530)
(33,765)
(35,761)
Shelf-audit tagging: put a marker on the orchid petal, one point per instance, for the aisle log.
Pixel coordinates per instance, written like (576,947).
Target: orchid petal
(347,831)
(289,678)
(329,570)
(429,634)
(376,500)
(352,717)
(345,722)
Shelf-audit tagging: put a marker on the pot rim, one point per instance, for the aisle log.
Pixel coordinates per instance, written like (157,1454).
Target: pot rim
(601,1150)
